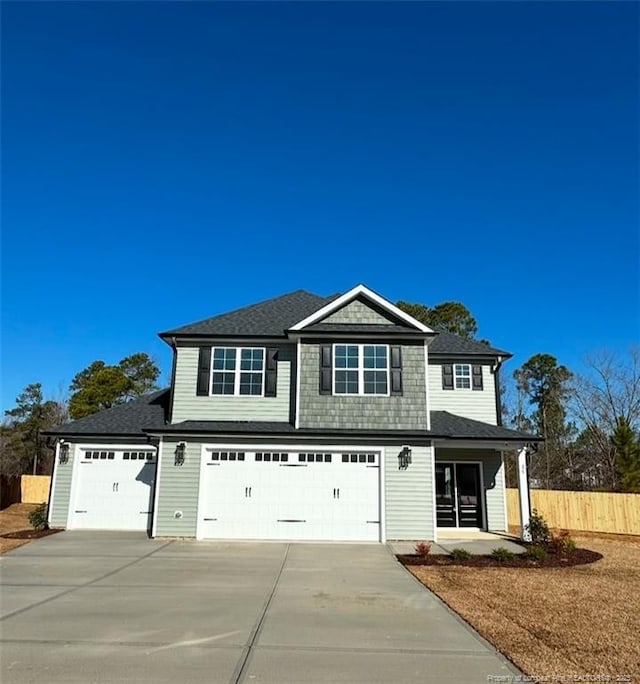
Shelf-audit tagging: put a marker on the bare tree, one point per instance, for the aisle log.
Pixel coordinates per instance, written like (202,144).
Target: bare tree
(607,392)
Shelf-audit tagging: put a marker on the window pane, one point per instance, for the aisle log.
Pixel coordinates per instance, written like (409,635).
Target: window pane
(230,359)
(463,376)
(341,382)
(375,356)
(369,357)
(341,356)
(224,359)
(223,383)
(352,382)
(251,383)
(346,382)
(375,382)
(251,359)
(218,359)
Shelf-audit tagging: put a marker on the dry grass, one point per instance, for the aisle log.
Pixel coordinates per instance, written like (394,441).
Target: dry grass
(578,621)
(14,519)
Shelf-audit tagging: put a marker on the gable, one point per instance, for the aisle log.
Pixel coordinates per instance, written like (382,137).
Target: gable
(360,312)
(369,304)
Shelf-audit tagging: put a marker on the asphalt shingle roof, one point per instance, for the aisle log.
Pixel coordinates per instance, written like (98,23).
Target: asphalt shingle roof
(273,317)
(127,419)
(449,343)
(265,319)
(445,424)
(148,414)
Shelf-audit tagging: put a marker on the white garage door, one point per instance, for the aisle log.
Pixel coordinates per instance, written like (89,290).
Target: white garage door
(114,490)
(290,495)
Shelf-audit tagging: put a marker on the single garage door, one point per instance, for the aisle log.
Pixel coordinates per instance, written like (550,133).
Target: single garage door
(311,495)
(114,490)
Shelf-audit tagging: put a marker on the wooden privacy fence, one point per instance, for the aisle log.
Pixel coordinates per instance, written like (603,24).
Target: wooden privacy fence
(587,511)
(35,488)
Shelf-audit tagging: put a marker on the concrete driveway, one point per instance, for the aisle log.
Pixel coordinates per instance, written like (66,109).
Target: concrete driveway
(118,607)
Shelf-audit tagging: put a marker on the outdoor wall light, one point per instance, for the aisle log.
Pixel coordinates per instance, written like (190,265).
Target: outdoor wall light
(63,453)
(181,448)
(404,458)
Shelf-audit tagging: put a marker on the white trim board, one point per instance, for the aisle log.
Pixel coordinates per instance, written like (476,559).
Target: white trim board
(156,492)
(364,291)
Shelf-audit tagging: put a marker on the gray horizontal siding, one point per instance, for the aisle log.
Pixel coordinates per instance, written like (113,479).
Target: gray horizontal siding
(406,412)
(357,312)
(409,495)
(59,506)
(178,491)
(469,403)
(188,406)
(493,476)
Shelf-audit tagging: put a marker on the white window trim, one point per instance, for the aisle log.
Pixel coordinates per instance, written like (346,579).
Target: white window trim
(456,376)
(361,369)
(237,372)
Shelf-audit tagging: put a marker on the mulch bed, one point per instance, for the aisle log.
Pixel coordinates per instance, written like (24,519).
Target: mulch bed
(29,534)
(577,557)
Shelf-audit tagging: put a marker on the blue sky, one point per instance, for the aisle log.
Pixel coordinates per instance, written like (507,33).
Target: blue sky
(163,162)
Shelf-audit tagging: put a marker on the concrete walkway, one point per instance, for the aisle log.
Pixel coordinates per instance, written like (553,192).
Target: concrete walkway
(115,607)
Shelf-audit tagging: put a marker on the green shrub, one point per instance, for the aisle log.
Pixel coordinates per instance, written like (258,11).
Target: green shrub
(536,553)
(423,548)
(570,546)
(502,554)
(539,529)
(38,517)
(460,554)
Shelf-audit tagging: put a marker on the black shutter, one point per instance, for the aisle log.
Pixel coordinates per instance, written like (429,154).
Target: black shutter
(476,377)
(325,369)
(447,376)
(271,372)
(396,371)
(204,372)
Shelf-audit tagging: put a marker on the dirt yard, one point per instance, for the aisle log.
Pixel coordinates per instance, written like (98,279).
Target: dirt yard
(14,519)
(581,621)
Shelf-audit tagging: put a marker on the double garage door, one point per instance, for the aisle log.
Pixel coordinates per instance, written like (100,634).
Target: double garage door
(287,495)
(113,490)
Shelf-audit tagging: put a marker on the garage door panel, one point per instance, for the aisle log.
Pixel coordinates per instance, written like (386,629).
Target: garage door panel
(114,490)
(292,496)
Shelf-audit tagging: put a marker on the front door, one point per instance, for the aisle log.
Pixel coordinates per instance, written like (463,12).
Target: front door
(458,495)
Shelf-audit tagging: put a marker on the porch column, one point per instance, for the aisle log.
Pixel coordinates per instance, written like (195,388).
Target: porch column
(523,494)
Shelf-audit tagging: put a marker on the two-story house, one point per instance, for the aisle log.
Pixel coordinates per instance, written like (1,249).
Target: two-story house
(298,418)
